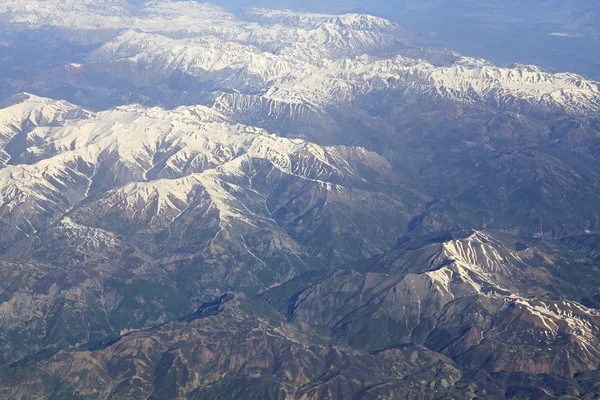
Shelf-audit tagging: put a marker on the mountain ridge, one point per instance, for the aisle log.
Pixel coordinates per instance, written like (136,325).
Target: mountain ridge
(271,204)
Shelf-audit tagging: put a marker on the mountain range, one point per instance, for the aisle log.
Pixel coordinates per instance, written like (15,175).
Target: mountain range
(196,203)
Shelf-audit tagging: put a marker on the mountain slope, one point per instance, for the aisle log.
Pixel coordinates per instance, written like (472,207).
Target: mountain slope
(273,204)
(468,337)
(497,147)
(154,208)
(226,351)
(488,301)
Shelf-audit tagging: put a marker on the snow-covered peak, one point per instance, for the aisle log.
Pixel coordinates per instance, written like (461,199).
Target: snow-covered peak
(27,112)
(481,249)
(560,319)
(363,22)
(38,111)
(287,64)
(194,10)
(329,64)
(284,17)
(144,155)
(72,14)
(476,261)
(136,134)
(484,81)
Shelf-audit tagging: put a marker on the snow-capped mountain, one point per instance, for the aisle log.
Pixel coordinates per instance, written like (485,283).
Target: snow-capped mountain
(189,184)
(300,60)
(474,296)
(310,79)
(161,163)
(140,191)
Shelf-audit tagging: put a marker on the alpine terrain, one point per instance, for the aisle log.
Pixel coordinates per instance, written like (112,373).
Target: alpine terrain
(197,203)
